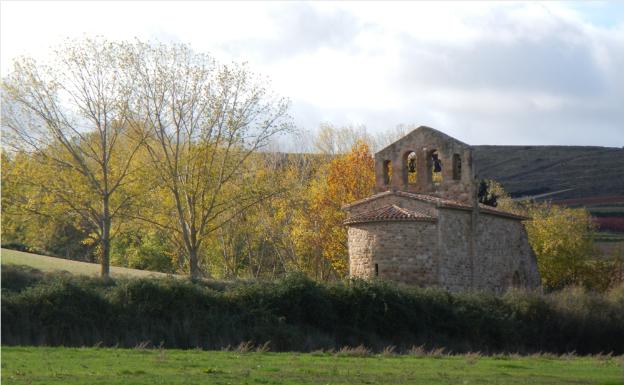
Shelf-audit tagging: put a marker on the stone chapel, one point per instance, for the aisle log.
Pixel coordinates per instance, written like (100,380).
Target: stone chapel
(424,225)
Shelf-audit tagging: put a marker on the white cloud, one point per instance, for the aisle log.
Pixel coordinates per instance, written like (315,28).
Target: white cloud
(534,73)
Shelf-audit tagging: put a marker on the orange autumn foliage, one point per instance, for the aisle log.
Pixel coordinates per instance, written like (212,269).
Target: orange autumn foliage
(346,178)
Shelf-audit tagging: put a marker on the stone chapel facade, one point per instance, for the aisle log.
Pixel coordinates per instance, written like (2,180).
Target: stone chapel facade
(423,226)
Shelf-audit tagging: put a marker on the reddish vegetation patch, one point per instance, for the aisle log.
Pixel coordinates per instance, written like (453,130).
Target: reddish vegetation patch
(615,224)
(591,200)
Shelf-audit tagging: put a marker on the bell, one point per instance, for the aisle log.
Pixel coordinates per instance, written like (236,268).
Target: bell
(412,165)
(437,166)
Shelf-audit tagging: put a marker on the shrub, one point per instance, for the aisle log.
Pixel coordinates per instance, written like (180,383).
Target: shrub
(58,312)
(19,277)
(296,313)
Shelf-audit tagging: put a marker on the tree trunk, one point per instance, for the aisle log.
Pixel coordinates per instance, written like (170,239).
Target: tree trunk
(193,264)
(106,227)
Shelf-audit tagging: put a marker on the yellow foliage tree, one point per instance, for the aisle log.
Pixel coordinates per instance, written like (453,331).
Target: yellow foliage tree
(563,241)
(72,116)
(320,233)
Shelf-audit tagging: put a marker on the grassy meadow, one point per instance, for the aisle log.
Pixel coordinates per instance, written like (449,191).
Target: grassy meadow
(27,365)
(50,264)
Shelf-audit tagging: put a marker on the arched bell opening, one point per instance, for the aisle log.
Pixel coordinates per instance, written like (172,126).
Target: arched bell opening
(410,168)
(435,167)
(387,172)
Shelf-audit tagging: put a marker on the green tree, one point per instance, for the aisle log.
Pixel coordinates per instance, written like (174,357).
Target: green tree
(256,242)
(485,193)
(143,248)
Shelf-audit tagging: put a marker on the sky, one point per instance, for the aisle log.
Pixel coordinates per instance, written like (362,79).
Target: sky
(519,73)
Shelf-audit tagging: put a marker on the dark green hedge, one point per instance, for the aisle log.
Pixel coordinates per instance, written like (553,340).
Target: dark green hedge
(299,314)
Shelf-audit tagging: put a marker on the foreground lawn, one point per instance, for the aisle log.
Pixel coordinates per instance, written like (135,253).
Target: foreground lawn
(28,365)
(48,264)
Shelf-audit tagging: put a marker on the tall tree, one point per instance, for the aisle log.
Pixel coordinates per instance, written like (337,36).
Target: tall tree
(563,241)
(72,115)
(319,233)
(204,122)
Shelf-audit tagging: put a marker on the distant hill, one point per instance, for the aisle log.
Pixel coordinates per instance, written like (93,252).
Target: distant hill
(534,170)
(585,171)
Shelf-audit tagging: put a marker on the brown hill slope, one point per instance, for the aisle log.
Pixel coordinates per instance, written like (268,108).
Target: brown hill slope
(532,170)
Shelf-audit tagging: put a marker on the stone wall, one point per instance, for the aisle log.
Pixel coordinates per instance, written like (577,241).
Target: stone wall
(444,253)
(403,251)
(503,256)
(454,231)
(423,141)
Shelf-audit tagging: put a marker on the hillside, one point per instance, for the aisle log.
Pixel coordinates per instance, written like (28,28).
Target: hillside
(48,264)
(533,170)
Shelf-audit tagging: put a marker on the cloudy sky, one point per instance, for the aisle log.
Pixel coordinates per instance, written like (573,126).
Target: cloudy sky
(486,73)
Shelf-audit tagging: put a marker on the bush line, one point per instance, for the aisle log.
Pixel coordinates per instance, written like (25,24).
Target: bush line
(298,314)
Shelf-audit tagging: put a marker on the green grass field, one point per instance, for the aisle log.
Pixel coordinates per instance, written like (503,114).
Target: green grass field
(47,264)
(27,365)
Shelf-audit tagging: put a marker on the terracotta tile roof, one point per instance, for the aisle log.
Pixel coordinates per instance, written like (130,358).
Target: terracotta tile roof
(368,199)
(439,202)
(494,211)
(389,213)
(420,197)
(449,203)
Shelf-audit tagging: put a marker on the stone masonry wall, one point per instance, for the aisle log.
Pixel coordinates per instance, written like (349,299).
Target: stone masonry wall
(439,253)
(454,246)
(423,141)
(503,256)
(404,251)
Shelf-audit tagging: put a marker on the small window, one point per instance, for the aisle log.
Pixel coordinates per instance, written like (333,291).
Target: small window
(411,167)
(387,171)
(456,167)
(376,270)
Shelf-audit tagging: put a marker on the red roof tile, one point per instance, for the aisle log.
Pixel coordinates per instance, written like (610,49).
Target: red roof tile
(420,197)
(389,213)
(440,202)
(494,211)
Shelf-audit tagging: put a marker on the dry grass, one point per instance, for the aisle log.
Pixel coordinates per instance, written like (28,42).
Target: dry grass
(144,345)
(357,351)
(244,347)
(50,264)
(418,351)
(389,351)
(472,357)
(263,348)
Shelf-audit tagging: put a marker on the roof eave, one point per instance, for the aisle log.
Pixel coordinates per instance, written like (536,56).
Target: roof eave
(347,222)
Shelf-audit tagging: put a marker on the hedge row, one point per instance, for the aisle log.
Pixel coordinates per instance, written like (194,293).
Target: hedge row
(298,314)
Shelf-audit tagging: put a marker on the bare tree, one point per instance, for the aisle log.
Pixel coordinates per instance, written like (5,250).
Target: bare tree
(73,115)
(205,121)
(333,140)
